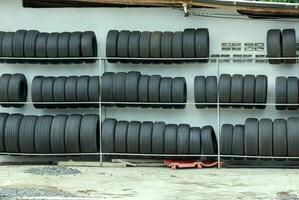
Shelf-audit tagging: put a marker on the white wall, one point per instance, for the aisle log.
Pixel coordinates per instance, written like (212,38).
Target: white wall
(13,16)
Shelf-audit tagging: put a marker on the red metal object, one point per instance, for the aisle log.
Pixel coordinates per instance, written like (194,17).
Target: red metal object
(179,164)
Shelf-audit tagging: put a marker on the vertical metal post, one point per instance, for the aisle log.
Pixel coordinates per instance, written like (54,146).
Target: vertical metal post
(100,112)
(104,110)
(218,116)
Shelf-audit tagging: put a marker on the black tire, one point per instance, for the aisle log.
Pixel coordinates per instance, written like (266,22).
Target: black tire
(238,142)
(158,137)
(36,91)
(108,136)
(4,84)
(288,45)
(189,43)
(200,91)
(134,40)
(237,90)
(63,46)
(166,46)
(111,44)
(30,43)
(211,91)
(209,141)
(202,44)
(2,33)
(166,91)
(292,92)
(261,90)
(72,133)
(177,46)
(274,46)
(133,136)
(131,87)
(107,88)
(94,91)
(7,46)
(144,46)
(47,91)
(248,91)
(179,92)
(42,134)
(123,45)
(120,141)
(265,137)
(89,46)
(183,137)
(82,91)
(89,133)
(119,87)
(18,44)
(154,90)
(59,91)
(143,90)
(195,141)
(57,136)
(226,140)
(41,47)
(11,133)
(281,92)
(155,46)
(293,136)
(52,47)
(225,89)
(75,46)
(251,135)
(71,91)
(280,138)
(170,139)
(145,137)
(3,118)
(17,89)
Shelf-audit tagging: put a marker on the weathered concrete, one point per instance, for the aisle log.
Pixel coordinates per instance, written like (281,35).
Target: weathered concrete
(159,183)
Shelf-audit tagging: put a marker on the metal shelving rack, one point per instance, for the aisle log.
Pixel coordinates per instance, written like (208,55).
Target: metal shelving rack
(102,66)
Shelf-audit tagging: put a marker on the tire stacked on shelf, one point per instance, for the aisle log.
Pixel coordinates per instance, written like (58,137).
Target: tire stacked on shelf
(286,92)
(234,89)
(64,92)
(157,138)
(262,137)
(24,44)
(143,90)
(49,134)
(192,43)
(13,90)
(281,44)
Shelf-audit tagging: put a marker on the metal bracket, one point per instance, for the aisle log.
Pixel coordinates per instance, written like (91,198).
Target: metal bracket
(185,8)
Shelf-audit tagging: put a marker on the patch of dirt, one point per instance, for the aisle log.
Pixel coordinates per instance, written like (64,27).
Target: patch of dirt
(14,193)
(52,171)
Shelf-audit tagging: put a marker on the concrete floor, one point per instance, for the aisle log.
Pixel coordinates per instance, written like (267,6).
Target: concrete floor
(158,183)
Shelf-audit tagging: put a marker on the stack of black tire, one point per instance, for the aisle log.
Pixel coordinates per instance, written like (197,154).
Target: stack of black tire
(58,92)
(49,134)
(281,44)
(143,90)
(35,44)
(13,90)
(192,43)
(278,138)
(157,138)
(286,92)
(232,89)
